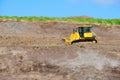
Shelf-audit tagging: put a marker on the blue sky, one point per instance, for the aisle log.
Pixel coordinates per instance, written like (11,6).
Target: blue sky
(61,8)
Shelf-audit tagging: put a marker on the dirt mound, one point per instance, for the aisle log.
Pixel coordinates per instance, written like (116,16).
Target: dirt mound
(34,51)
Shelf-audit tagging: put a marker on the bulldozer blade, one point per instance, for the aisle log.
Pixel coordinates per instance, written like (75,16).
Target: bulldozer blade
(66,41)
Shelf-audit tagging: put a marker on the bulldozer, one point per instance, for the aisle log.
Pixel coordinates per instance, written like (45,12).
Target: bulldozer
(81,34)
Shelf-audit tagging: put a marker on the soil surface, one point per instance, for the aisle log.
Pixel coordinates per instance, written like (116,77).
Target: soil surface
(35,51)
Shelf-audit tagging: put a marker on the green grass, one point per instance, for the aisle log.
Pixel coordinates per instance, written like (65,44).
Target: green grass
(67,19)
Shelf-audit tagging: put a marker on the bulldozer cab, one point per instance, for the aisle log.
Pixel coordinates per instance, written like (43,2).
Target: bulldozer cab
(83,30)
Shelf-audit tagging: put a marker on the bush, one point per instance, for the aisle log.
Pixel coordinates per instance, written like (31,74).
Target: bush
(68,19)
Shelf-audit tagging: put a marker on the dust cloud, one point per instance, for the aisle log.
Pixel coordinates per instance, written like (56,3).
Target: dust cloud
(88,58)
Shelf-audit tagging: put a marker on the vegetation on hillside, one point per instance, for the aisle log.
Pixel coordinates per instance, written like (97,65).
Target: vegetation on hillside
(67,19)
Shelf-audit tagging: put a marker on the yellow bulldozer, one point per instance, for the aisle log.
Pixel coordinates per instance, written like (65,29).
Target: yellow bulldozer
(81,34)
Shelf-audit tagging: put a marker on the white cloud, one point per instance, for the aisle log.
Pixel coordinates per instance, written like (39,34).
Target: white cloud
(99,2)
(105,2)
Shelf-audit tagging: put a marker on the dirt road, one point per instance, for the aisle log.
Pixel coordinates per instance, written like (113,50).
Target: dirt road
(34,51)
